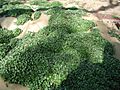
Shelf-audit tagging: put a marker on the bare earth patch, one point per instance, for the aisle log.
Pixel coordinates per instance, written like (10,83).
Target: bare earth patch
(4,86)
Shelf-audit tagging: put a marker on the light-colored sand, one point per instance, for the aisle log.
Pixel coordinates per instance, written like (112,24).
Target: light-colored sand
(11,86)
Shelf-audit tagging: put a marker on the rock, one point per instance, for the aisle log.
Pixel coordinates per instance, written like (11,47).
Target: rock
(8,23)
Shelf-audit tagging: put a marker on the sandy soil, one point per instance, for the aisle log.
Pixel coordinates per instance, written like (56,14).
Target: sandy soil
(3,86)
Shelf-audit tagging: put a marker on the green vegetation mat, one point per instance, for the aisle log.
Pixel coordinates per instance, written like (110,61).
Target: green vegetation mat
(62,56)
(7,41)
(114,33)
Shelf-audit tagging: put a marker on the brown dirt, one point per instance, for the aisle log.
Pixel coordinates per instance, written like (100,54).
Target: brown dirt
(11,86)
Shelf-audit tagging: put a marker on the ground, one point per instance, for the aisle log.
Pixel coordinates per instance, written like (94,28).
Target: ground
(90,5)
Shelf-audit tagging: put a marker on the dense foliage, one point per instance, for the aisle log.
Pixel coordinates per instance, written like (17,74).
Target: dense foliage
(114,33)
(62,56)
(15,10)
(7,41)
(37,14)
(23,18)
(45,3)
(90,76)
